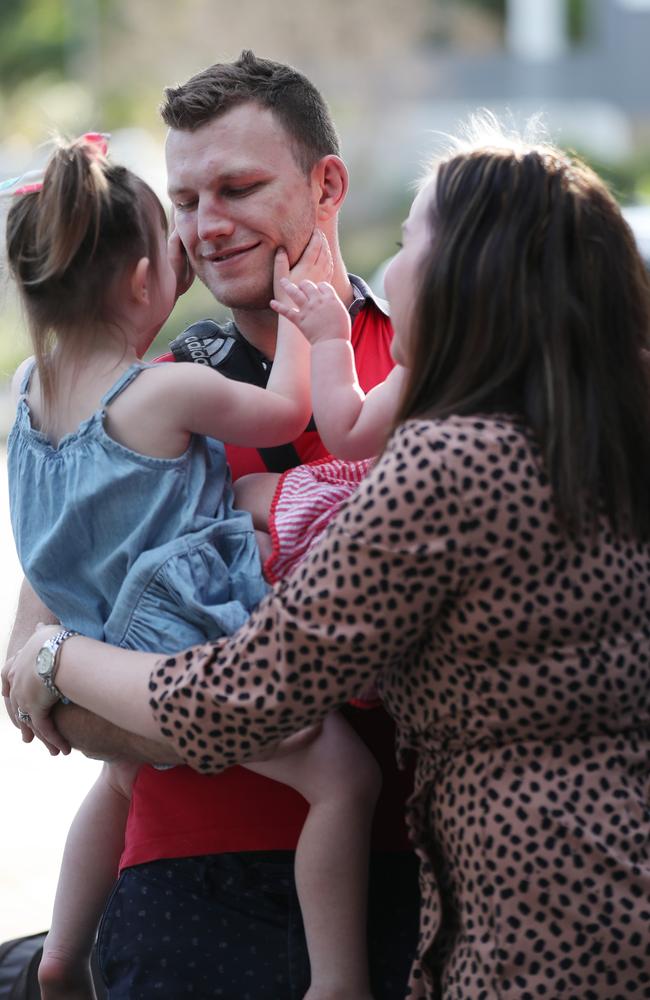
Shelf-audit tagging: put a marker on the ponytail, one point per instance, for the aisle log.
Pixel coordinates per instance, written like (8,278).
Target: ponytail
(68,209)
(70,238)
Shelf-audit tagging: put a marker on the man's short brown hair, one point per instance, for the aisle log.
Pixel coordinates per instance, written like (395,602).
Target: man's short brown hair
(292,98)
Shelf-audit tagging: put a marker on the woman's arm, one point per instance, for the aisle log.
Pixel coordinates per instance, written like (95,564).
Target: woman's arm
(364,598)
(112,683)
(76,727)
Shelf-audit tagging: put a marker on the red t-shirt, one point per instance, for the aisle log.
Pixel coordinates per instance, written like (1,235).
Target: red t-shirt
(180,813)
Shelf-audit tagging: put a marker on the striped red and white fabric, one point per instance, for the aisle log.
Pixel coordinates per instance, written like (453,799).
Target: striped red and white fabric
(307,498)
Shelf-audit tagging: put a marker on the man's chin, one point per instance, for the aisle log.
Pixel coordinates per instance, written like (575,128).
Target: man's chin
(238,295)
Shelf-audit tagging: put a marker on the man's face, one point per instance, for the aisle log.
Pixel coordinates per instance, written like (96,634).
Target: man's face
(239,194)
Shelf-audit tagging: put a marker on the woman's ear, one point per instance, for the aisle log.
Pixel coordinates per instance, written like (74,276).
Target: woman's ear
(140,281)
(330,177)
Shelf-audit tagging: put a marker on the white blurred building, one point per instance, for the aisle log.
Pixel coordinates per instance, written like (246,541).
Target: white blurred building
(592,92)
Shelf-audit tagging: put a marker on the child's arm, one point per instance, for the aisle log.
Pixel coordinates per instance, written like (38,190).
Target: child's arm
(291,347)
(351,424)
(189,398)
(88,872)
(179,399)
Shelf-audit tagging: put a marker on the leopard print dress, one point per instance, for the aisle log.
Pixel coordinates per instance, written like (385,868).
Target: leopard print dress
(516,664)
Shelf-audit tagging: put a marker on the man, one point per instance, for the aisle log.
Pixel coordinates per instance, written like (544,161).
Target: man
(206,904)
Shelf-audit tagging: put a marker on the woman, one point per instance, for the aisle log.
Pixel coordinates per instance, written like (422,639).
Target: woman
(491,574)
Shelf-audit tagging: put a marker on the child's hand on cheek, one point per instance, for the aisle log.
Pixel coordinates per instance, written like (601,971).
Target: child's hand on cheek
(315,263)
(180,263)
(280,274)
(316,310)
(304,296)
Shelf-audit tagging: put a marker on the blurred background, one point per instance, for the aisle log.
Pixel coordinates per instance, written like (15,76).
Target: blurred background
(396,75)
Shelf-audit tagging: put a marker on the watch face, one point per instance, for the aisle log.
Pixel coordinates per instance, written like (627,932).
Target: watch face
(44,660)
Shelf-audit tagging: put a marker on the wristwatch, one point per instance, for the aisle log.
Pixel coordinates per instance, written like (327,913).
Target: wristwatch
(47,662)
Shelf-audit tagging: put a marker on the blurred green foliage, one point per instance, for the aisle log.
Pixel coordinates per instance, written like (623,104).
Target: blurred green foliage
(629,179)
(367,246)
(493,6)
(32,39)
(577,13)
(578,20)
(46,37)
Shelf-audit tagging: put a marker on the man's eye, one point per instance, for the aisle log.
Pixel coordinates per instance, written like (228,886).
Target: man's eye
(240,192)
(184,206)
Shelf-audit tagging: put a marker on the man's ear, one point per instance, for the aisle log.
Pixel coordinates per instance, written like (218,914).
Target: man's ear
(140,281)
(330,175)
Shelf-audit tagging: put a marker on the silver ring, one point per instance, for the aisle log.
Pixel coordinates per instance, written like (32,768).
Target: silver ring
(23,717)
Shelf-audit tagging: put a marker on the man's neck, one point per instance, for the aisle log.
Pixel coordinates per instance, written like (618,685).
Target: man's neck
(260,326)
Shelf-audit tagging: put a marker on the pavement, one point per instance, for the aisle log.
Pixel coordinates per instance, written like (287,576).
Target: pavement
(40,793)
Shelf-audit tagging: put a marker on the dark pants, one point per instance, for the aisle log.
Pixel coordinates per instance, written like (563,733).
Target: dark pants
(229,926)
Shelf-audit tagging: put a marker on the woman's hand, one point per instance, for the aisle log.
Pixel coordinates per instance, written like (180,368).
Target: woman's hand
(27,699)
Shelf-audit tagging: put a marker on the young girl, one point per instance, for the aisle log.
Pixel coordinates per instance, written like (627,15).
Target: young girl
(124,523)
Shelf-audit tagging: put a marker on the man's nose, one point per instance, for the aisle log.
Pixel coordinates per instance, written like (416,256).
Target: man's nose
(213,220)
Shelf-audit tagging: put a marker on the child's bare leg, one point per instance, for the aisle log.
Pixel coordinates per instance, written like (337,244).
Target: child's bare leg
(88,872)
(340,779)
(254,493)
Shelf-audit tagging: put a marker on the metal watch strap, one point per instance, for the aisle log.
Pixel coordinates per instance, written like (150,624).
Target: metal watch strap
(55,644)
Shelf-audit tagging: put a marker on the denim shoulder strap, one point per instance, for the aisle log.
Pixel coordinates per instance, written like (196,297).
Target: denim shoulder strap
(123,381)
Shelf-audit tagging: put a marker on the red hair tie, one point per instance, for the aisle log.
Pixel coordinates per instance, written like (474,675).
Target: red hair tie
(98,140)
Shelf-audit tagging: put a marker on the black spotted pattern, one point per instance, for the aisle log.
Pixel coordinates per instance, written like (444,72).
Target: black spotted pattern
(515,662)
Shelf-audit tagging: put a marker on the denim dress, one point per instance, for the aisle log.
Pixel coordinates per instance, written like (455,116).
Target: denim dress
(145,553)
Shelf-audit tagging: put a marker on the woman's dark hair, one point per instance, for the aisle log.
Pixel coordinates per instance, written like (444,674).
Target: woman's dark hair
(534,299)
(294,100)
(68,241)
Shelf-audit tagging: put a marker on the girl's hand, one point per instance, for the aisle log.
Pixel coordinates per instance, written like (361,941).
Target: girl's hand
(316,310)
(26,695)
(180,263)
(315,263)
